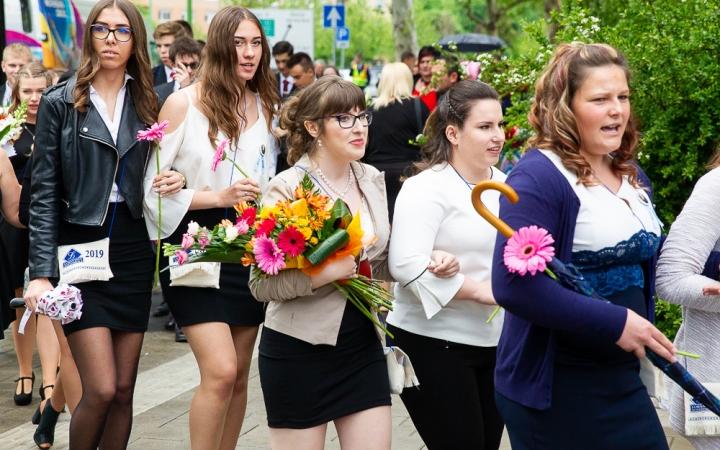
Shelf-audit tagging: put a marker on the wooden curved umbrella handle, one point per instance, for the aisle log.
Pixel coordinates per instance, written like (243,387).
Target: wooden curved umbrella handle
(495,221)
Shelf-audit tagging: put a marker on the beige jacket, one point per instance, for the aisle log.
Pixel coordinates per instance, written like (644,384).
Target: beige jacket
(295,309)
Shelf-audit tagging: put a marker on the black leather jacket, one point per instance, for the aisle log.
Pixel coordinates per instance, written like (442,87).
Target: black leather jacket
(74,165)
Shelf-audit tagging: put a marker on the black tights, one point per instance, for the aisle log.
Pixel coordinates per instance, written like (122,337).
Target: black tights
(454,407)
(107,361)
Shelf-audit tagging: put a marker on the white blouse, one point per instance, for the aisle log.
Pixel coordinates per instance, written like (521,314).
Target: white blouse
(113,126)
(188,151)
(434,211)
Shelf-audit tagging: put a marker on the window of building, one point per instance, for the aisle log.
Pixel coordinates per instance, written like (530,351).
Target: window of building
(163,15)
(209,16)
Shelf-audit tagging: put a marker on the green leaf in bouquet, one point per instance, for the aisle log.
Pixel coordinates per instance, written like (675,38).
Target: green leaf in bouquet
(340,215)
(324,249)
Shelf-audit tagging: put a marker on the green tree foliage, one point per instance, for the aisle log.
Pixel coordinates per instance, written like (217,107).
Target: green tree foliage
(673,50)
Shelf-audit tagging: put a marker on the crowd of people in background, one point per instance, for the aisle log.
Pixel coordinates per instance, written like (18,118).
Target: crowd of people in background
(547,367)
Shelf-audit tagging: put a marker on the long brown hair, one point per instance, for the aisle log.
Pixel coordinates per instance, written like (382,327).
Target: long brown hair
(222,93)
(327,96)
(453,109)
(552,117)
(29,70)
(138,66)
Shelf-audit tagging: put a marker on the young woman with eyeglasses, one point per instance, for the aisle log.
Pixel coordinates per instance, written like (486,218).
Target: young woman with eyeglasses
(320,358)
(88,167)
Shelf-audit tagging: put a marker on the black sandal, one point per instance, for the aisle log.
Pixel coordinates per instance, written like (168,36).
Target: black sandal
(24,398)
(38,412)
(45,432)
(41,391)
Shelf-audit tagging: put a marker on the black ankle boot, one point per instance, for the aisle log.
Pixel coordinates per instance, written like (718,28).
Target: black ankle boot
(45,432)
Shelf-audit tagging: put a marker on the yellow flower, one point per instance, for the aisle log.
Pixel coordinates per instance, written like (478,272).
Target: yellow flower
(267,212)
(226,223)
(306,232)
(313,240)
(299,208)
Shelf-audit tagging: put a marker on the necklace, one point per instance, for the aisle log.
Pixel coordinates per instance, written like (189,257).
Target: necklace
(332,188)
(461,177)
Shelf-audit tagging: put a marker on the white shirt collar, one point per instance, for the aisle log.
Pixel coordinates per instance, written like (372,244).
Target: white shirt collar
(8,95)
(112,125)
(168,72)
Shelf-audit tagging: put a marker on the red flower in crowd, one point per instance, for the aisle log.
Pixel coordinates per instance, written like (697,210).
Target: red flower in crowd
(291,241)
(266,227)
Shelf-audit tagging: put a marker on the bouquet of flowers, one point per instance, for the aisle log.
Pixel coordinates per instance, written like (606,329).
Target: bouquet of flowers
(225,243)
(307,234)
(11,124)
(311,232)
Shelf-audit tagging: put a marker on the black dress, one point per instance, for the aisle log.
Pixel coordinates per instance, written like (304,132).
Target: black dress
(306,385)
(7,292)
(389,149)
(17,240)
(123,302)
(232,304)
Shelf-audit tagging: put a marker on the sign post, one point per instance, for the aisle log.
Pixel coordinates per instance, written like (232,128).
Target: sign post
(334,17)
(343,42)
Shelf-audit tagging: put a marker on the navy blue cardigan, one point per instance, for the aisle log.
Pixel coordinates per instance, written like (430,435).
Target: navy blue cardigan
(537,305)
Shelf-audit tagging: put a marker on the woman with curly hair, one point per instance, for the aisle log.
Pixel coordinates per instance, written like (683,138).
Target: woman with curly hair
(567,373)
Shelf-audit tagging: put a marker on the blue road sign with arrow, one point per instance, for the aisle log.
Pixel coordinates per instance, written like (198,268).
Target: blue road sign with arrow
(333,16)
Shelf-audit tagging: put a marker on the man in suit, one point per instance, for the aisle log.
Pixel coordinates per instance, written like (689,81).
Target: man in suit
(300,67)
(282,51)
(165,34)
(185,56)
(14,57)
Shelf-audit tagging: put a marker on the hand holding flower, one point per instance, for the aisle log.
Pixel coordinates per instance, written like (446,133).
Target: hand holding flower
(444,264)
(341,269)
(168,183)
(245,190)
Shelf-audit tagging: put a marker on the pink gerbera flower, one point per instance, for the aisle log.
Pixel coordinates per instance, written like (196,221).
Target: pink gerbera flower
(154,132)
(528,250)
(292,242)
(270,259)
(219,154)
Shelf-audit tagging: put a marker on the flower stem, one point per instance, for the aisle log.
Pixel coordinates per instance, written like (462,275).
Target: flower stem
(259,199)
(157,251)
(689,355)
(492,316)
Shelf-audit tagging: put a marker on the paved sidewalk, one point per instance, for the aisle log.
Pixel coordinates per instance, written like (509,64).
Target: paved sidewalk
(166,384)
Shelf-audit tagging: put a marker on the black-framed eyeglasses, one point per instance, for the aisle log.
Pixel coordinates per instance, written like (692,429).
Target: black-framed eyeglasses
(348,120)
(101,32)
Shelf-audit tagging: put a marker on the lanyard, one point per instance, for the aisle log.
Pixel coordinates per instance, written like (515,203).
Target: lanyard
(316,182)
(655,217)
(122,175)
(237,149)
